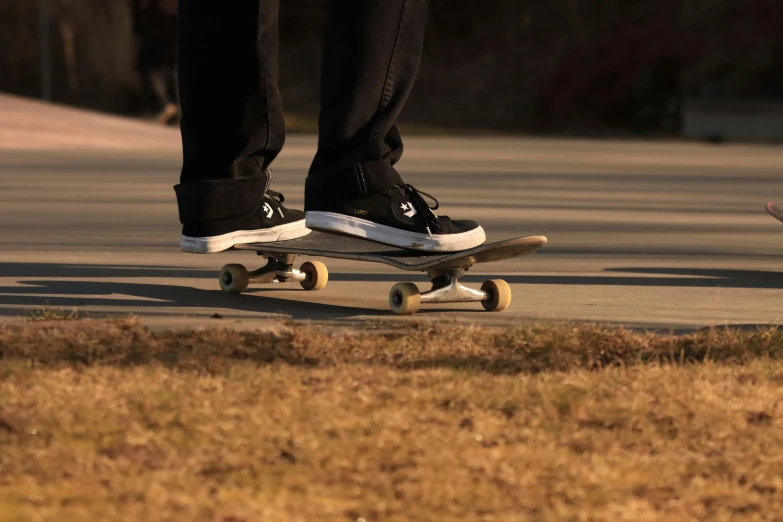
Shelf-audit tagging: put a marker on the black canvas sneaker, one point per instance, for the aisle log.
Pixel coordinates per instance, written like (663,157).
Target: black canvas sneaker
(215,216)
(397,216)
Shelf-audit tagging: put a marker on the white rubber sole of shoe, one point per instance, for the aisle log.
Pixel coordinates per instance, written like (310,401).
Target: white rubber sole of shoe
(351,226)
(212,244)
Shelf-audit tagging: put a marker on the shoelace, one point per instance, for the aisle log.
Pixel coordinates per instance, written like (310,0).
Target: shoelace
(430,218)
(275,200)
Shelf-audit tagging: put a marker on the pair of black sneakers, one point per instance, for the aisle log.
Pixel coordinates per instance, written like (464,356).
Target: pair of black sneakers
(398,216)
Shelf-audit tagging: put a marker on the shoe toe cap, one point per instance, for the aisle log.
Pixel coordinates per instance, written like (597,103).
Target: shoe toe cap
(458,226)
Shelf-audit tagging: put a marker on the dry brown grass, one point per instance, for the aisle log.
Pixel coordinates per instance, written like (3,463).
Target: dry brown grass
(103,420)
(48,314)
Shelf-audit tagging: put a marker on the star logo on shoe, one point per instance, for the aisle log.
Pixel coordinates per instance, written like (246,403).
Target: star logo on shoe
(268,210)
(408,209)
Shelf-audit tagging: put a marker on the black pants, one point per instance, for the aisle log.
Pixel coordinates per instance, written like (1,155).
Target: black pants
(232,115)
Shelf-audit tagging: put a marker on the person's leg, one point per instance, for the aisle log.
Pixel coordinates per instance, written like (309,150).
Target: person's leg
(159,81)
(372,54)
(232,125)
(371,58)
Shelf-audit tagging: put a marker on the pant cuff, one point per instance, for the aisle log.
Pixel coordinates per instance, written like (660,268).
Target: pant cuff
(224,199)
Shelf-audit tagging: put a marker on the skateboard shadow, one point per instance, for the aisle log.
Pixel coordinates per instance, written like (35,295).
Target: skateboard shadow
(154,298)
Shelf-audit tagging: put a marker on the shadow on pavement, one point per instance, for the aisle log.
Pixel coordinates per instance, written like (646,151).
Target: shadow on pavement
(151,297)
(670,277)
(73,294)
(704,277)
(87,270)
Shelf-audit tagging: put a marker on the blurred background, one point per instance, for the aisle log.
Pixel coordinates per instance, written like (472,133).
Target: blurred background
(711,69)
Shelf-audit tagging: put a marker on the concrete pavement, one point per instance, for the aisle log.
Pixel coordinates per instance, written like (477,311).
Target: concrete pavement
(660,235)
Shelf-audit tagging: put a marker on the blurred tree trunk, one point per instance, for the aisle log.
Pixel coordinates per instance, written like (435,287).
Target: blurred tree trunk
(91,47)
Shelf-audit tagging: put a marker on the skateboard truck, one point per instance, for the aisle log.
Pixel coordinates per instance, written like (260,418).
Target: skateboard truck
(405,298)
(312,275)
(446,288)
(278,269)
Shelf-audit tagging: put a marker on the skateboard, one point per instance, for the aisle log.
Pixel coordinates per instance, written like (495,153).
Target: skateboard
(776,210)
(443,269)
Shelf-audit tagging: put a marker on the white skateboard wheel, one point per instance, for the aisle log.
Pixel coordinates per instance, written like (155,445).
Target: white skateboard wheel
(498,295)
(234,279)
(317,275)
(404,298)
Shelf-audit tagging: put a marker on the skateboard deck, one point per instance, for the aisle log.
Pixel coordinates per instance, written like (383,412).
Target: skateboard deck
(319,244)
(444,269)
(775,210)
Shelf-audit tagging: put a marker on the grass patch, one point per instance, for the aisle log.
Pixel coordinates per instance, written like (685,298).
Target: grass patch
(531,350)
(104,420)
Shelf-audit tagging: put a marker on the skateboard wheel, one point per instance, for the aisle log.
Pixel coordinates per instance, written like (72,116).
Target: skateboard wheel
(498,295)
(317,275)
(404,298)
(234,279)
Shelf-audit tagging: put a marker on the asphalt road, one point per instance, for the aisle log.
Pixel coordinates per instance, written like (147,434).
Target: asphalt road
(645,234)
